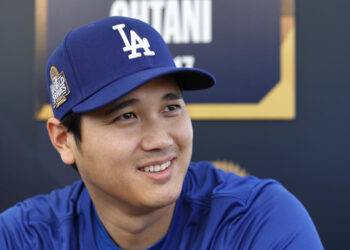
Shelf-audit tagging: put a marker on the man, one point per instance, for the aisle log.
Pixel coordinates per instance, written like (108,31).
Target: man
(120,119)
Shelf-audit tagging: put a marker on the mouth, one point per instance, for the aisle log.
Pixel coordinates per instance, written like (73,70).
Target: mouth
(156,167)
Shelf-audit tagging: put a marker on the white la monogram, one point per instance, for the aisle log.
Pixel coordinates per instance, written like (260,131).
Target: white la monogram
(136,43)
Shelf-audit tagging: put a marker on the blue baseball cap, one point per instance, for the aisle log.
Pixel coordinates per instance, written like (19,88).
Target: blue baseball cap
(102,61)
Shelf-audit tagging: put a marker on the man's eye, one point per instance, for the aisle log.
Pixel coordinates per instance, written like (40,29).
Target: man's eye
(170,108)
(126,116)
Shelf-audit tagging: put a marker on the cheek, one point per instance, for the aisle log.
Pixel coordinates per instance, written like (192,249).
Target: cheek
(184,134)
(104,151)
(104,164)
(188,139)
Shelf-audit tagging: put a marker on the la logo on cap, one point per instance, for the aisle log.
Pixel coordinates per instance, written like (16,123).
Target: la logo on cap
(135,43)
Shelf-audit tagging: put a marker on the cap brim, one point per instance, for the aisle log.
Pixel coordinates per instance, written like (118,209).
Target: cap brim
(188,78)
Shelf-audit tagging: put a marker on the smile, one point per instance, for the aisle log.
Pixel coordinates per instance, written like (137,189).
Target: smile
(156,168)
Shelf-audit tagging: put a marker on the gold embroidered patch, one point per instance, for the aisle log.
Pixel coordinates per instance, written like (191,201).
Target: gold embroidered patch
(59,87)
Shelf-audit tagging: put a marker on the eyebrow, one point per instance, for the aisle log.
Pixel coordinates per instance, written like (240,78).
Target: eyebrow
(172,96)
(124,104)
(121,105)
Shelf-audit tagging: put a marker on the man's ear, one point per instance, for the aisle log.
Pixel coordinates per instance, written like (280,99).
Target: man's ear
(59,137)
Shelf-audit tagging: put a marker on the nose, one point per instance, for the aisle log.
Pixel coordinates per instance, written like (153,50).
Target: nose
(156,136)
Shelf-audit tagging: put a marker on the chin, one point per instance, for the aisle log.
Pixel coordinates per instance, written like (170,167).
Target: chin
(169,198)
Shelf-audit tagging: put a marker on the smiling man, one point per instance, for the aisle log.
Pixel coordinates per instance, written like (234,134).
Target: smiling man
(121,121)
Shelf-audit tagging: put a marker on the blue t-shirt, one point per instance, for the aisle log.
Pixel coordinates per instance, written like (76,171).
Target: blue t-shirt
(216,210)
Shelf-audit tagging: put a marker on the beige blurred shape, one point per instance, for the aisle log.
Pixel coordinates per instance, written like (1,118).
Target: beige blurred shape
(230,166)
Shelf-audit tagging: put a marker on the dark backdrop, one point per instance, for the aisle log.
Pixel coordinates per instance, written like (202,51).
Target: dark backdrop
(308,155)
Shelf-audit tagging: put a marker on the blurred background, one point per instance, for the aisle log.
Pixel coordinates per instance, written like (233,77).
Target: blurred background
(308,155)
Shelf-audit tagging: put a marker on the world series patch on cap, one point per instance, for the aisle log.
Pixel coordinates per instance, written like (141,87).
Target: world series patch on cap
(105,60)
(59,87)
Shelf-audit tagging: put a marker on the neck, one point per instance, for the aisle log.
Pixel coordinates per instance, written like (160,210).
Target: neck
(136,231)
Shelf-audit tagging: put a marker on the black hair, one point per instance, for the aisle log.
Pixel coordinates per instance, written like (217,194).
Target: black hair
(72,122)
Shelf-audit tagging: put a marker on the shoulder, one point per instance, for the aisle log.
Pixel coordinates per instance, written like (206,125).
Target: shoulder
(57,205)
(32,221)
(248,211)
(205,180)
(279,220)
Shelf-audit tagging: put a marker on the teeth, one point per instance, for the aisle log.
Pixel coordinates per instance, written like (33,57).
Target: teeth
(156,168)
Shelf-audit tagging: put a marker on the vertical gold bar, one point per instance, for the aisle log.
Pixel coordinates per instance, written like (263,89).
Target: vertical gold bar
(40,43)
